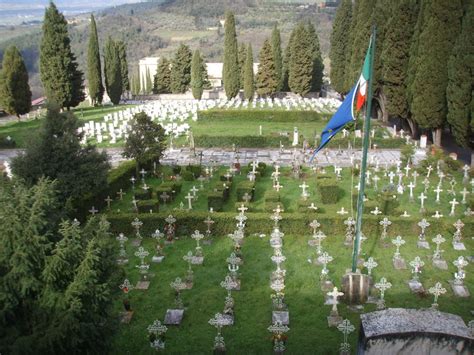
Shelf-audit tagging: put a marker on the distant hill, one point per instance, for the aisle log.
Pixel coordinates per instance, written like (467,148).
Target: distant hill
(157,28)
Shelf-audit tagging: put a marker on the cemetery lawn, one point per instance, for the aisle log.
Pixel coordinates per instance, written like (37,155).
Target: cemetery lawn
(22,131)
(309,333)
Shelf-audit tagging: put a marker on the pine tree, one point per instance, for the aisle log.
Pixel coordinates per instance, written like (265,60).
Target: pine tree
(429,107)
(162,80)
(318,66)
(286,62)
(266,79)
(113,71)
(249,82)
(181,70)
(360,40)
(197,75)
(277,56)
(459,91)
(62,81)
(56,152)
(230,71)
(15,93)
(242,56)
(394,56)
(339,42)
(94,68)
(122,52)
(301,62)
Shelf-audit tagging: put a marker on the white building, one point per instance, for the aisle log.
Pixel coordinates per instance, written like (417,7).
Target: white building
(214,70)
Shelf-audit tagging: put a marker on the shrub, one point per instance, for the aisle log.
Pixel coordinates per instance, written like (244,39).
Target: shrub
(146,206)
(7,142)
(271,196)
(176,169)
(196,170)
(215,200)
(407,153)
(142,195)
(206,141)
(329,191)
(388,203)
(187,175)
(271,115)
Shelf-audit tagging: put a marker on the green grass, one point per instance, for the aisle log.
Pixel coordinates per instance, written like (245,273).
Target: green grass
(309,333)
(22,131)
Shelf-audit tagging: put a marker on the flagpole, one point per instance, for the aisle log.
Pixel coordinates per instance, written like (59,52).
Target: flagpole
(363,168)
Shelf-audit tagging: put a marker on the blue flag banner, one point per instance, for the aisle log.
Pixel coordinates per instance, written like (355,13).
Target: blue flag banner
(343,115)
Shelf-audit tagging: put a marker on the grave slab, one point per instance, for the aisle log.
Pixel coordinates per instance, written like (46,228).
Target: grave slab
(399,264)
(136,242)
(416,286)
(157,259)
(459,246)
(423,244)
(459,290)
(142,285)
(174,316)
(334,320)
(281,316)
(440,264)
(126,317)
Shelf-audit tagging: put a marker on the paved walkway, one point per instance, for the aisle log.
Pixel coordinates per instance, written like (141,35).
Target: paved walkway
(224,157)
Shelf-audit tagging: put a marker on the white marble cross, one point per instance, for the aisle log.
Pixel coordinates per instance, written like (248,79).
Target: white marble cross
(422,198)
(429,169)
(189,197)
(453,204)
(335,294)
(464,193)
(391,175)
(194,190)
(411,186)
(415,175)
(438,190)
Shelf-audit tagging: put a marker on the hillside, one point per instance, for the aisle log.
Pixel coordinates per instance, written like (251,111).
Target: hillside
(157,28)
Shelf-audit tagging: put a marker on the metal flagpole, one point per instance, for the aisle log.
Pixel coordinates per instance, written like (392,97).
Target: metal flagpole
(363,168)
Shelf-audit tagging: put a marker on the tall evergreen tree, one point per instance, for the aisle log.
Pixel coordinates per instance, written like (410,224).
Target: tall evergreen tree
(459,91)
(249,82)
(230,71)
(361,34)
(122,53)
(113,71)
(94,68)
(301,62)
(56,152)
(162,80)
(429,107)
(181,70)
(15,93)
(148,82)
(135,83)
(277,56)
(61,78)
(318,66)
(242,56)
(349,80)
(286,62)
(395,54)
(339,42)
(266,79)
(197,75)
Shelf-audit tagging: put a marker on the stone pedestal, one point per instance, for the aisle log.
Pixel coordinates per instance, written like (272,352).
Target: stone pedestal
(423,244)
(174,316)
(237,287)
(459,290)
(440,264)
(282,316)
(459,246)
(197,260)
(122,261)
(157,259)
(416,286)
(399,264)
(355,286)
(334,319)
(126,317)
(326,286)
(142,285)
(136,242)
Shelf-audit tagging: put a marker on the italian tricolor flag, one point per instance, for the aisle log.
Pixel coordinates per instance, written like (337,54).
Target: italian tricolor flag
(362,84)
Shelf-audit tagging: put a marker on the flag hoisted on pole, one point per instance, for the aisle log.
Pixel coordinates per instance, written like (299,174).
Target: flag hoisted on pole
(359,96)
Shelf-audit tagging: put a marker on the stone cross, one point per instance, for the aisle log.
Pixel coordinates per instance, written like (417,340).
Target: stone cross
(136,223)
(423,224)
(370,264)
(376,211)
(218,322)
(93,210)
(437,215)
(108,200)
(335,294)
(391,175)
(247,197)
(134,203)
(438,240)
(254,166)
(121,193)
(453,204)
(441,177)
(157,329)
(438,190)
(242,209)
(422,199)
(436,291)
(324,259)
(345,327)
(164,197)
(143,173)
(229,284)
(208,222)
(314,225)
(197,236)
(415,175)
(304,194)
(141,253)
(189,257)
(178,285)
(382,286)
(376,179)
(429,169)
(342,211)
(132,180)
(464,193)
(194,190)
(411,186)
(466,169)
(385,223)
(126,286)
(189,197)
(416,265)
(426,183)
(319,237)
(277,186)
(407,169)
(398,242)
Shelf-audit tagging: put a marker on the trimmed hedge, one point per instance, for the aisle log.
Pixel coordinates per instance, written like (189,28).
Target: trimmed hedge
(382,143)
(196,170)
(206,141)
(329,191)
(271,115)
(271,196)
(244,187)
(142,195)
(292,223)
(146,205)
(6,143)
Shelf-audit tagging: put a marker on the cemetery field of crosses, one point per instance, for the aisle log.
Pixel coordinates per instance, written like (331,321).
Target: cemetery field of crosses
(254,275)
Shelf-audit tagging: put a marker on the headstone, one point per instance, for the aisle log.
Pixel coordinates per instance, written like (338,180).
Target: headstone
(281,316)
(174,316)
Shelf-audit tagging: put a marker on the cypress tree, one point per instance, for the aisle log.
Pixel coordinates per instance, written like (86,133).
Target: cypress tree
(94,69)
(249,82)
(349,81)
(62,81)
(277,56)
(135,83)
(286,62)
(113,71)
(162,79)
(148,82)
(339,42)
(230,71)
(318,66)
(242,56)
(301,62)
(122,52)
(441,28)
(459,91)
(266,80)
(15,93)
(197,75)
(394,56)
(361,37)
(181,70)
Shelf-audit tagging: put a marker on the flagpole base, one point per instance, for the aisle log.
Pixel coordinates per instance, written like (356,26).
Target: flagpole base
(356,287)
